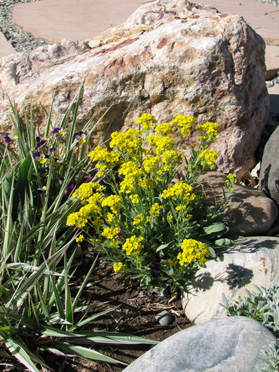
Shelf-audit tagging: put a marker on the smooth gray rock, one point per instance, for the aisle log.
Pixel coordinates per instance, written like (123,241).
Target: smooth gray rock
(254,261)
(269,174)
(249,211)
(235,344)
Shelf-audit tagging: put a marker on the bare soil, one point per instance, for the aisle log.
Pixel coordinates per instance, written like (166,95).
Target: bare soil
(133,312)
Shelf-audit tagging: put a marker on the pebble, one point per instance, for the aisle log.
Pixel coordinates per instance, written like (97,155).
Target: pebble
(164,318)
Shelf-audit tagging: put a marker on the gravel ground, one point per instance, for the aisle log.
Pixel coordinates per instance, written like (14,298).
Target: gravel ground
(19,39)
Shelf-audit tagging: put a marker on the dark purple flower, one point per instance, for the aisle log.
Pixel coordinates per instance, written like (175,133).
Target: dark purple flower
(7,137)
(80,137)
(69,188)
(155,267)
(53,152)
(40,156)
(41,190)
(41,141)
(120,233)
(58,131)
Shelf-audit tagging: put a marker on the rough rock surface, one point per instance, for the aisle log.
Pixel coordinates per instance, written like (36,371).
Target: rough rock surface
(250,211)
(269,174)
(219,345)
(170,57)
(251,262)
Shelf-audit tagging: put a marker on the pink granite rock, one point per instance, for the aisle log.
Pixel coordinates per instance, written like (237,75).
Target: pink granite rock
(170,57)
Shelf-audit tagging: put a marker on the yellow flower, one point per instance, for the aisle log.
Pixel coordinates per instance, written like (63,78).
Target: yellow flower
(98,222)
(147,121)
(112,201)
(118,266)
(111,232)
(133,245)
(76,219)
(172,261)
(231,179)
(164,128)
(185,122)
(169,217)
(84,191)
(211,129)
(80,239)
(155,209)
(171,158)
(192,250)
(208,158)
(179,189)
(162,143)
(139,219)
(151,163)
(134,198)
(129,141)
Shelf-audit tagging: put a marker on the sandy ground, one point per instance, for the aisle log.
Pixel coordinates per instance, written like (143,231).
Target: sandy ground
(73,19)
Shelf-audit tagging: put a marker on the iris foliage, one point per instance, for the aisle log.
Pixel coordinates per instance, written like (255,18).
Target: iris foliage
(41,310)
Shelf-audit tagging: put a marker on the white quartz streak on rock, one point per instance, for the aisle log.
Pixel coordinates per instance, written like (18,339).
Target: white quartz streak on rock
(205,64)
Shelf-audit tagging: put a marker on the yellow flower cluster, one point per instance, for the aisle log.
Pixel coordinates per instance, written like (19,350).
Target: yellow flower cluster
(129,141)
(132,174)
(170,158)
(111,233)
(118,266)
(181,189)
(104,158)
(84,191)
(208,158)
(151,163)
(93,205)
(192,250)
(211,129)
(155,209)
(133,245)
(162,143)
(113,202)
(164,128)
(147,121)
(185,122)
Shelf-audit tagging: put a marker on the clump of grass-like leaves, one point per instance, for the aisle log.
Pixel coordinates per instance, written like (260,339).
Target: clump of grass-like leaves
(40,309)
(261,305)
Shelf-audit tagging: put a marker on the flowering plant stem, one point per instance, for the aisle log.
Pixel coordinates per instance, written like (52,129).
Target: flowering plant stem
(146,211)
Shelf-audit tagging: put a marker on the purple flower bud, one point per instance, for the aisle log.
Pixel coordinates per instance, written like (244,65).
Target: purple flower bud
(89,179)
(120,233)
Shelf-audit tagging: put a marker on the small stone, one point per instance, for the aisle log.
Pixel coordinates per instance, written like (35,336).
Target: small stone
(164,317)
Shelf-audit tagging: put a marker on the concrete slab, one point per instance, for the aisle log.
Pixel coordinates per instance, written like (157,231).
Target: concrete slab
(5,47)
(72,19)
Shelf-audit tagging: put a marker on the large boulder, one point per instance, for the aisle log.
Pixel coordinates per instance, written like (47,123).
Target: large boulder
(269,174)
(252,262)
(232,344)
(248,211)
(170,57)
